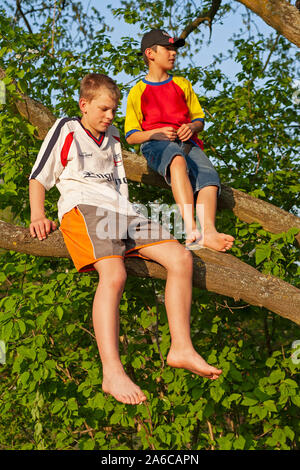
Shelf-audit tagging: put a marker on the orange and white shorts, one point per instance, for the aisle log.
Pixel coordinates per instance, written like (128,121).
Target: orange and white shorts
(92,233)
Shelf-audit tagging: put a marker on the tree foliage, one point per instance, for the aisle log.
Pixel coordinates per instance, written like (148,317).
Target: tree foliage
(50,390)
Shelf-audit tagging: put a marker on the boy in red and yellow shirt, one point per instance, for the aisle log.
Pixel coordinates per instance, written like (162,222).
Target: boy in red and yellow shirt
(164,115)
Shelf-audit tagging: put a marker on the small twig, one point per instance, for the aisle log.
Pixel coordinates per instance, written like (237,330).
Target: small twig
(146,431)
(19,9)
(83,432)
(271,52)
(157,323)
(53,28)
(89,430)
(87,331)
(211,434)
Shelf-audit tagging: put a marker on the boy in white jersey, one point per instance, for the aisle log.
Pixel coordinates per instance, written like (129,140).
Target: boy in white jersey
(82,157)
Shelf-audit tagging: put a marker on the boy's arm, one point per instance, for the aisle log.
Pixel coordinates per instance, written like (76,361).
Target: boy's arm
(44,174)
(186,131)
(197,115)
(162,133)
(40,226)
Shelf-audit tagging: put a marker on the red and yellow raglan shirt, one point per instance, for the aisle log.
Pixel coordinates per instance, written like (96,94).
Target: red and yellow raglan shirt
(152,105)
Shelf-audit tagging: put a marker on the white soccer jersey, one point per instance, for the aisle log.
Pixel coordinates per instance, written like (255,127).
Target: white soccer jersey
(84,169)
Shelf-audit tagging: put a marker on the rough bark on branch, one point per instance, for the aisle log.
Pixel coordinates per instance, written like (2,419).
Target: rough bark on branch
(279,14)
(36,113)
(217,272)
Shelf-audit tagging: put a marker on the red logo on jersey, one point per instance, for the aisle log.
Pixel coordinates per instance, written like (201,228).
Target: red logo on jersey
(118,160)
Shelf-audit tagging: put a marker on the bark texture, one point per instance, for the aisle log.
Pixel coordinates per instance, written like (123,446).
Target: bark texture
(217,272)
(280,15)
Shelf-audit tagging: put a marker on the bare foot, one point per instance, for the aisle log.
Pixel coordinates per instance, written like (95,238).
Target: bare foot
(121,387)
(193,362)
(194,240)
(217,241)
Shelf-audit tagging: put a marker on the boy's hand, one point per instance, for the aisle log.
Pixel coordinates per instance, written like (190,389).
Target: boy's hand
(185,132)
(164,133)
(41,227)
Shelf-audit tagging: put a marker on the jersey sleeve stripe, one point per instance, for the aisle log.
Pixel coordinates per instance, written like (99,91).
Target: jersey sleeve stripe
(50,147)
(65,149)
(132,132)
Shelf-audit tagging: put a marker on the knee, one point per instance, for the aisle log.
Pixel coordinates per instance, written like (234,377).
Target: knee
(187,261)
(118,280)
(178,164)
(182,262)
(114,280)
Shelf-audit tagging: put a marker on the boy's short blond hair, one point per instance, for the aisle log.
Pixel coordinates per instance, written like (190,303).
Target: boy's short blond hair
(93,82)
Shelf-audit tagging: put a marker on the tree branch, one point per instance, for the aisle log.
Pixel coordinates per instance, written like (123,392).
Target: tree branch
(19,9)
(217,272)
(205,16)
(280,15)
(245,207)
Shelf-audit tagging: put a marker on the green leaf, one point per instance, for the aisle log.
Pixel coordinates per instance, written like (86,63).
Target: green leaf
(276,376)
(58,405)
(70,329)
(296,400)
(216,393)
(249,401)
(270,362)
(262,252)
(86,444)
(239,443)
(168,376)
(59,312)
(21,326)
(270,405)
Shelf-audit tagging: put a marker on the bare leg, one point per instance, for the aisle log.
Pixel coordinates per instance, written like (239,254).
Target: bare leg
(106,326)
(206,207)
(183,195)
(178,295)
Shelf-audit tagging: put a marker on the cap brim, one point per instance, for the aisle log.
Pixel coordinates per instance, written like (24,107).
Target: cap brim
(178,42)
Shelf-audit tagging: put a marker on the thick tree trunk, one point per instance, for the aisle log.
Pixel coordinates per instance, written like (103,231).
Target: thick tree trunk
(217,272)
(280,15)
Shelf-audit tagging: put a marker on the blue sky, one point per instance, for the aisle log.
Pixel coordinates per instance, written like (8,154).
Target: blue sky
(221,33)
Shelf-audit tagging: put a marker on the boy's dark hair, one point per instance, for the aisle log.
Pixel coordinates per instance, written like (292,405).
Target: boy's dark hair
(92,82)
(154,48)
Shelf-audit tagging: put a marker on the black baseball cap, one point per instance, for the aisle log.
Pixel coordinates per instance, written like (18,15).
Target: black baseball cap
(161,38)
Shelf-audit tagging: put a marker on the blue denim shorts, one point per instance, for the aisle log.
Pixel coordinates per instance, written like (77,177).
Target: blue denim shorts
(160,153)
